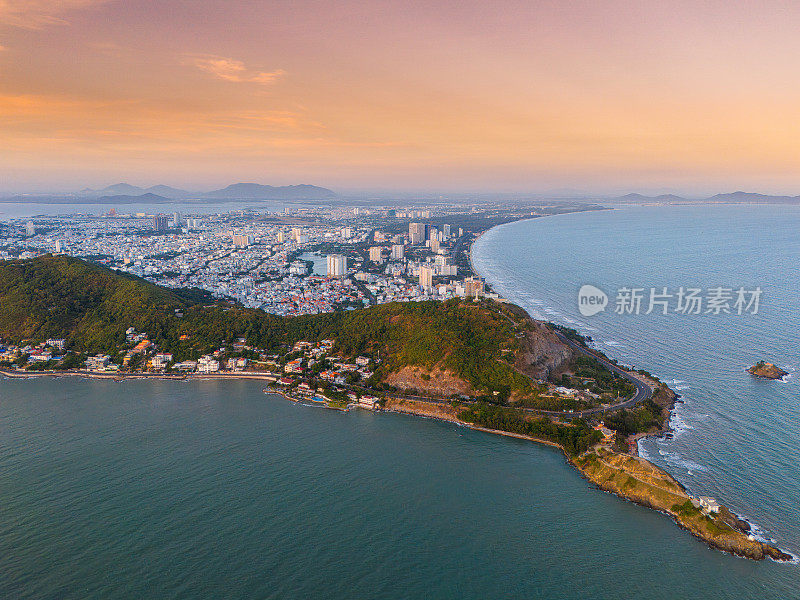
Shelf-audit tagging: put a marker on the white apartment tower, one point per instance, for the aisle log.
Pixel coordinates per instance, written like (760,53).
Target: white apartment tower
(337,265)
(426,277)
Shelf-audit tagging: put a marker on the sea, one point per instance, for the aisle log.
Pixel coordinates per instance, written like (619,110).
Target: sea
(214,489)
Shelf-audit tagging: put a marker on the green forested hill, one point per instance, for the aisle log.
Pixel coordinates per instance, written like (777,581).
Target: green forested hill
(65,297)
(91,307)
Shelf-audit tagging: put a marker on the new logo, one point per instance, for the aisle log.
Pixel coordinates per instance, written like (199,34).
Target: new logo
(591,300)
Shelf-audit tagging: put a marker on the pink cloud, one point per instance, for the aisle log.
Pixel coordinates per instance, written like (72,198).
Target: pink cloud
(234,70)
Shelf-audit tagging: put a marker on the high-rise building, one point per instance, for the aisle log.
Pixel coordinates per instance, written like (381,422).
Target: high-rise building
(435,247)
(446,229)
(347,232)
(426,276)
(376,254)
(59,247)
(473,287)
(176,219)
(398,251)
(433,233)
(241,241)
(337,265)
(160,223)
(416,233)
(281,237)
(30,230)
(297,232)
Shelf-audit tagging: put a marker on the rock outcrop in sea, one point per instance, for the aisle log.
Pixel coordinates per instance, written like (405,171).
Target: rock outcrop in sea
(766,370)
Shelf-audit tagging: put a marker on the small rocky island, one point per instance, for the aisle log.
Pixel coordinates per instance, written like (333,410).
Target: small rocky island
(766,370)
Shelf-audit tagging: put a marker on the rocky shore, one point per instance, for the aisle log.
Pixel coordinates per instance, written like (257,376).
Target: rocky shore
(624,474)
(641,482)
(636,479)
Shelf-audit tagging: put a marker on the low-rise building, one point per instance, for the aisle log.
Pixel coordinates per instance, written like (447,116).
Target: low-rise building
(161,360)
(207,364)
(708,504)
(97,363)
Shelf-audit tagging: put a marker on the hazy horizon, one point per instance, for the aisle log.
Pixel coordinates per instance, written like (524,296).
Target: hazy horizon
(402,193)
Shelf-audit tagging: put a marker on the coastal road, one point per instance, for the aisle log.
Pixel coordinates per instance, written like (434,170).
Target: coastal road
(643,391)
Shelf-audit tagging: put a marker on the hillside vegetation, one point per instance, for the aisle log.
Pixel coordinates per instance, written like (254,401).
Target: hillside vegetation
(91,306)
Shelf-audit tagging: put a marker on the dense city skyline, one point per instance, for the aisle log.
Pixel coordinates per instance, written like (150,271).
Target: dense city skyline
(466,96)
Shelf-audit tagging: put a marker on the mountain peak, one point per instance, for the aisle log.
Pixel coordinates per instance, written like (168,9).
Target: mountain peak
(268,192)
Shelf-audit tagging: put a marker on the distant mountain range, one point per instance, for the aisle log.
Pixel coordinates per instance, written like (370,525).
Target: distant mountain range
(126,189)
(732,198)
(268,192)
(126,193)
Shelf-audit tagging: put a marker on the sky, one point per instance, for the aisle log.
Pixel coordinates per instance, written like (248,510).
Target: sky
(437,95)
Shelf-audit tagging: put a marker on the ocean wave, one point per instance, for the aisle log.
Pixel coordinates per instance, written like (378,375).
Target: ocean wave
(675,459)
(761,535)
(641,450)
(678,424)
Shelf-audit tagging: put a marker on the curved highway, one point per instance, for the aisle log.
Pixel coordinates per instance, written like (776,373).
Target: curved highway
(643,391)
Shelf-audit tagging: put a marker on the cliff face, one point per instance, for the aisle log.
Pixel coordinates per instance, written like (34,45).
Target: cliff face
(643,483)
(437,382)
(542,352)
(537,353)
(445,412)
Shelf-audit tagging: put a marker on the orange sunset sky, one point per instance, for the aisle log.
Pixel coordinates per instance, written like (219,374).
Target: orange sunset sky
(606,97)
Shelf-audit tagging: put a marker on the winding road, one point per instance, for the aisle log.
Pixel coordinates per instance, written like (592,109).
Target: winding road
(643,390)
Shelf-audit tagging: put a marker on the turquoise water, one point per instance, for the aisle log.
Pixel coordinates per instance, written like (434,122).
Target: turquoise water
(215,490)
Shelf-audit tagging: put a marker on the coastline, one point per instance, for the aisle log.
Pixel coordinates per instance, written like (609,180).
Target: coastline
(254,375)
(744,544)
(631,478)
(731,539)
